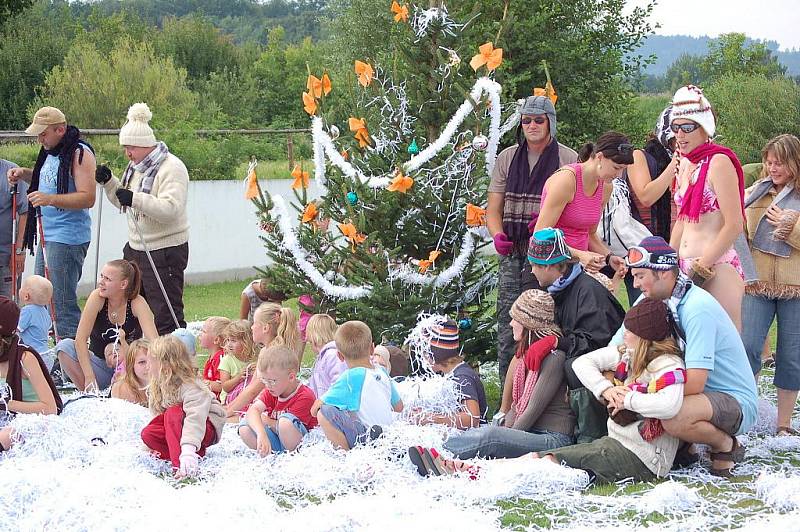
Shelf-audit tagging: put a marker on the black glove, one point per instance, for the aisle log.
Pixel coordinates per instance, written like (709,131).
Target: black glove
(102,174)
(125,197)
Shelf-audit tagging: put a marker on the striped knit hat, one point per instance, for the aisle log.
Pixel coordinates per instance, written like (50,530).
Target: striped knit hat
(662,256)
(690,103)
(547,246)
(535,310)
(444,341)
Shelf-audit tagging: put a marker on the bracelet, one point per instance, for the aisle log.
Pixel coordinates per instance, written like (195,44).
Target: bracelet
(608,259)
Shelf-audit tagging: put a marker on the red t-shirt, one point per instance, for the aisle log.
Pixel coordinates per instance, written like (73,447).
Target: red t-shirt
(211,369)
(298,404)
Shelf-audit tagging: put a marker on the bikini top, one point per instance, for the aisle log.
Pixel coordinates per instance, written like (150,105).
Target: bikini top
(709,203)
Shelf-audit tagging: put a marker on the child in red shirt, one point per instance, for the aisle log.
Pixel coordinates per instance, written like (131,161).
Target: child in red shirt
(211,339)
(277,421)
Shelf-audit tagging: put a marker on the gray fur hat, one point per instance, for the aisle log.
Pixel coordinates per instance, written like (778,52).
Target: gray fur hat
(541,105)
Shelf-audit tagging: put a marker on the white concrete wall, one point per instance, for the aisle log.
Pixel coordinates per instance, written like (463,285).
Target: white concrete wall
(223,232)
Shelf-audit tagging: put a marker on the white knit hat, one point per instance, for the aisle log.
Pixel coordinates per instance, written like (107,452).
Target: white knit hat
(690,103)
(136,131)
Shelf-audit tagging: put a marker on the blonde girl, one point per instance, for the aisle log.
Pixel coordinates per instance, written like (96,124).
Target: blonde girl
(188,418)
(133,383)
(327,365)
(238,364)
(212,340)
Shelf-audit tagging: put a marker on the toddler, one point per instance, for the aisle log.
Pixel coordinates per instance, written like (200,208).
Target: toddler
(211,340)
(381,358)
(34,318)
(236,367)
(327,366)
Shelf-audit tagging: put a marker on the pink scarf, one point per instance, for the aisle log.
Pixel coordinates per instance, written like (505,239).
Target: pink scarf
(693,198)
(525,377)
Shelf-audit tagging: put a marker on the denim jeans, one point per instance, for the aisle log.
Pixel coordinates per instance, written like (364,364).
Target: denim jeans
(64,264)
(758,313)
(490,441)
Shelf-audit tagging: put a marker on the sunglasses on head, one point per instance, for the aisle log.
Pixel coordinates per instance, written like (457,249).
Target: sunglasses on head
(537,120)
(625,148)
(686,128)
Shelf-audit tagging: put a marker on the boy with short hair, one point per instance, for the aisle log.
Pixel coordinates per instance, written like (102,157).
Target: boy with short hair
(277,421)
(362,399)
(34,318)
(446,358)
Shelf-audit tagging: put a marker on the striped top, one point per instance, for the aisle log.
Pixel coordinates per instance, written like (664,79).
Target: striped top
(582,214)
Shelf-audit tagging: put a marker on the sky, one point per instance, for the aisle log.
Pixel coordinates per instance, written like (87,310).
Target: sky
(773,20)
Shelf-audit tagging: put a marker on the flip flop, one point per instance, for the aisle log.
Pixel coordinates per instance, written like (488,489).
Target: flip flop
(434,463)
(416,454)
(735,455)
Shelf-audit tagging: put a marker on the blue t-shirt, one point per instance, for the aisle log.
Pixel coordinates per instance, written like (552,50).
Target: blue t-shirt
(65,226)
(370,393)
(714,344)
(5,209)
(34,326)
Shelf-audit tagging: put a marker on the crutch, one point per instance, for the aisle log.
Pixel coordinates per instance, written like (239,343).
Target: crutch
(14,295)
(47,273)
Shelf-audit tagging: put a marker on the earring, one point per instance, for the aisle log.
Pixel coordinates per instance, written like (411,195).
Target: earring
(598,167)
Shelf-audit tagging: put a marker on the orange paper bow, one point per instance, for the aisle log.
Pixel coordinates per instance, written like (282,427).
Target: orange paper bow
(476,216)
(548,91)
(345,155)
(359,127)
(310,213)
(400,183)
(364,73)
(318,87)
(349,231)
(488,55)
(309,104)
(252,185)
(424,264)
(400,12)
(300,178)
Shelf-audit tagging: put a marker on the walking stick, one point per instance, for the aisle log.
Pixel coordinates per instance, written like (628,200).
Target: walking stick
(97,246)
(14,295)
(47,274)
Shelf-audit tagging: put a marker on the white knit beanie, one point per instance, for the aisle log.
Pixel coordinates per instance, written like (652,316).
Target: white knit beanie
(136,131)
(690,103)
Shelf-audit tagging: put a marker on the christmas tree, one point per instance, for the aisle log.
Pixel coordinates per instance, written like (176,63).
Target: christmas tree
(398,229)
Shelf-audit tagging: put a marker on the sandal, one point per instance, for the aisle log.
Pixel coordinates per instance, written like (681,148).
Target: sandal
(417,456)
(735,455)
(787,431)
(451,467)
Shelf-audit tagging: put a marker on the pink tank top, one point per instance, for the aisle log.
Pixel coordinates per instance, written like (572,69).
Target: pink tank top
(580,215)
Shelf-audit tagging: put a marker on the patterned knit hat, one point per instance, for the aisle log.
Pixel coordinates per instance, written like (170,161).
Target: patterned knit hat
(444,341)
(690,103)
(9,316)
(662,131)
(662,256)
(547,246)
(137,131)
(535,310)
(649,319)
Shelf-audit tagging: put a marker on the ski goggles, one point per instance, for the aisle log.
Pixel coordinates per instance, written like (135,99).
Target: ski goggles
(639,257)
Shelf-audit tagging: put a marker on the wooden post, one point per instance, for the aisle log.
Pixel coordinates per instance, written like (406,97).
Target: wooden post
(290,151)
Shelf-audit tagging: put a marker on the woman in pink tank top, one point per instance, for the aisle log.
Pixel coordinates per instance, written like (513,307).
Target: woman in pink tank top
(574,196)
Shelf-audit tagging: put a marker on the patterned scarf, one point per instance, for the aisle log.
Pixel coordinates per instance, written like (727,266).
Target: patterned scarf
(651,428)
(523,194)
(525,377)
(148,167)
(693,198)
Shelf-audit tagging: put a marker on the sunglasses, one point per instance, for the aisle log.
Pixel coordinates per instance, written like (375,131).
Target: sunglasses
(537,120)
(686,128)
(625,148)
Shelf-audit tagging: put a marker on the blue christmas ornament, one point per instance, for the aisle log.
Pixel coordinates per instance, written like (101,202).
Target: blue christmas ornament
(464,324)
(413,149)
(352,198)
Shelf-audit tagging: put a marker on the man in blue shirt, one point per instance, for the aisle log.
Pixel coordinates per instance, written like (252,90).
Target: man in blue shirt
(720,396)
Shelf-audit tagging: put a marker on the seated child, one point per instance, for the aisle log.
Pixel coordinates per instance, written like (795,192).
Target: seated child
(446,358)
(211,340)
(188,418)
(255,293)
(281,416)
(381,358)
(362,399)
(649,376)
(236,368)
(34,318)
(327,366)
(187,337)
(132,385)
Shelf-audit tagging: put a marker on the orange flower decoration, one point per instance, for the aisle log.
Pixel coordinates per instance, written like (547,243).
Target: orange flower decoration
(309,104)
(359,127)
(349,230)
(318,87)
(310,213)
(300,178)
(364,73)
(424,264)
(400,12)
(488,55)
(400,183)
(252,185)
(548,91)
(476,216)
(345,155)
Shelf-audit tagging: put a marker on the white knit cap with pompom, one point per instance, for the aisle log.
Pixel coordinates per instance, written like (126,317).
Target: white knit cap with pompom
(690,103)
(137,131)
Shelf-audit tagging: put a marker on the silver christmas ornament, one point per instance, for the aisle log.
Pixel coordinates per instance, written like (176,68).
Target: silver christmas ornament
(480,142)
(333,132)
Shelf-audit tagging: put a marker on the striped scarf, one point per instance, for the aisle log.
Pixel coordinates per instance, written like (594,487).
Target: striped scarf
(651,428)
(148,167)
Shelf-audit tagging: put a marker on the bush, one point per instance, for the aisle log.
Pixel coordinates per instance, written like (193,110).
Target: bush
(752,109)
(641,116)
